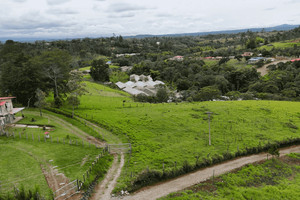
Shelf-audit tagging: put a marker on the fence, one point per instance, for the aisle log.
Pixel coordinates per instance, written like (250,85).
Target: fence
(38,138)
(67,191)
(119,148)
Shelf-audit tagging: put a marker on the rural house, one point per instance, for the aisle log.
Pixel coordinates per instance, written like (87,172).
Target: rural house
(7,111)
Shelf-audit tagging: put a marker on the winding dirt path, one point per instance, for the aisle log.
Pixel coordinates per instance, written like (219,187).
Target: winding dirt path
(73,129)
(104,189)
(180,183)
(264,70)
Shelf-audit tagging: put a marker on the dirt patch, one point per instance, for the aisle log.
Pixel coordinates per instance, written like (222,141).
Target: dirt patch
(264,69)
(54,179)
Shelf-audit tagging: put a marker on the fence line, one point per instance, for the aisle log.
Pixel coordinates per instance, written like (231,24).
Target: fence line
(49,139)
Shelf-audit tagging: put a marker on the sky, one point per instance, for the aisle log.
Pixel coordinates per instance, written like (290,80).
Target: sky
(97,18)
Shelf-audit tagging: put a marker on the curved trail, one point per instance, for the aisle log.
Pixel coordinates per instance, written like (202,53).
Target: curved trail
(264,69)
(180,183)
(73,129)
(104,189)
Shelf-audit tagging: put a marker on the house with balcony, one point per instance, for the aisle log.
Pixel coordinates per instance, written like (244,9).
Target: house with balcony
(7,111)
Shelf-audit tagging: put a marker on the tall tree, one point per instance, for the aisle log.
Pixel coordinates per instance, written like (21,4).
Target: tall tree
(56,67)
(76,87)
(40,100)
(100,70)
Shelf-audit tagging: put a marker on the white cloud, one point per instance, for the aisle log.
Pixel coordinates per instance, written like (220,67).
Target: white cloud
(77,18)
(57,2)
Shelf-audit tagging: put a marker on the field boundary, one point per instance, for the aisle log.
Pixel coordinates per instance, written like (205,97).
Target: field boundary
(180,183)
(149,177)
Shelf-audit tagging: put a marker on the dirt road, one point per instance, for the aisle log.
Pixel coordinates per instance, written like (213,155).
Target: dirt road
(73,129)
(264,70)
(180,183)
(104,189)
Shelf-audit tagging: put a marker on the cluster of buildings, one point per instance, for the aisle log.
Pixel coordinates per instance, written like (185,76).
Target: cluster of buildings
(140,85)
(7,112)
(127,54)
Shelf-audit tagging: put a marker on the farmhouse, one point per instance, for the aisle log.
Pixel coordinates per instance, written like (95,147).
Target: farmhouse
(7,111)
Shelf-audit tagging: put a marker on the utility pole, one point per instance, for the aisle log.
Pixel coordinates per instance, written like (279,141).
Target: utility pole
(209,113)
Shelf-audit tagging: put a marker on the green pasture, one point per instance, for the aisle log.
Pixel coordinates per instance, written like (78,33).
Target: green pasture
(274,179)
(280,45)
(162,134)
(85,68)
(21,158)
(57,130)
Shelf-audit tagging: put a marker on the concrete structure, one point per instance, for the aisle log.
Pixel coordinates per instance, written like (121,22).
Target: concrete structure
(7,111)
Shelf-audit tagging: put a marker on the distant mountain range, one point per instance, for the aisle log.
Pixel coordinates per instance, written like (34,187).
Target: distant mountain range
(283,27)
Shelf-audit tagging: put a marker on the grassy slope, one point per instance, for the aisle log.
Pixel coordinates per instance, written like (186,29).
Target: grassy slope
(22,158)
(274,179)
(165,133)
(280,45)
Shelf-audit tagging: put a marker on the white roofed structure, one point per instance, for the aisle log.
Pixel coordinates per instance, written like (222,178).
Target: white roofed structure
(121,85)
(140,85)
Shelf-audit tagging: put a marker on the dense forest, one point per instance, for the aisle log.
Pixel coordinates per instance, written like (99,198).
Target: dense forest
(45,65)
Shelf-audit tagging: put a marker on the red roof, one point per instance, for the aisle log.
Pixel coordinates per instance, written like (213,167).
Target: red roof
(2,103)
(4,98)
(295,60)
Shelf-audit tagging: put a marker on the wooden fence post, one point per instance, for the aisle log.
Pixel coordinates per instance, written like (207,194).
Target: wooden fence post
(77,184)
(45,138)
(32,137)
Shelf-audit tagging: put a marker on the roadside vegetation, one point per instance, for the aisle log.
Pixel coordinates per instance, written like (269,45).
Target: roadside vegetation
(273,179)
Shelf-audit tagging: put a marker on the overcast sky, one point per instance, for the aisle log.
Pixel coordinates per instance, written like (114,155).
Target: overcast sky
(95,18)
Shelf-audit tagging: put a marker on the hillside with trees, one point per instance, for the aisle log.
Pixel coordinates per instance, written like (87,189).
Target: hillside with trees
(210,64)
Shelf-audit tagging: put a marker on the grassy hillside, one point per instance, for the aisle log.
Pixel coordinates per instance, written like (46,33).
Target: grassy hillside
(274,179)
(162,134)
(280,45)
(21,159)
